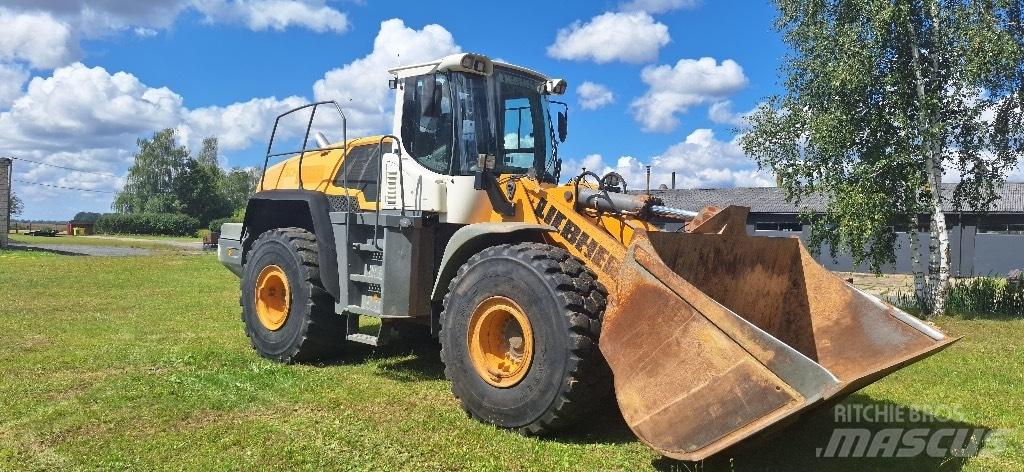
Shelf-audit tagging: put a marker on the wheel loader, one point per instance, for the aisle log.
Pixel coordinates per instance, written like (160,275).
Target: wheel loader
(545,297)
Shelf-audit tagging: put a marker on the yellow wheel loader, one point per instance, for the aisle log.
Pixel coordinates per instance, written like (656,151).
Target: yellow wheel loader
(544,296)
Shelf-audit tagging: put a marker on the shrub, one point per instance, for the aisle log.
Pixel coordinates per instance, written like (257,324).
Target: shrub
(168,224)
(237,217)
(978,296)
(216,224)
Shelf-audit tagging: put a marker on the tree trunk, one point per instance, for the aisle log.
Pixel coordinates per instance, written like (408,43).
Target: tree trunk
(921,291)
(937,278)
(938,271)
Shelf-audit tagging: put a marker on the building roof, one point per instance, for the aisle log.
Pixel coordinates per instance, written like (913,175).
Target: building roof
(773,200)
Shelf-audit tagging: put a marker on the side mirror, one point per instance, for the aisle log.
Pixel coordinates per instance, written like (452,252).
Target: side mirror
(563,126)
(430,102)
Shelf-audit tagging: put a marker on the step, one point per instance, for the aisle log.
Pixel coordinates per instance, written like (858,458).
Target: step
(363,338)
(361,311)
(366,279)
(366,247)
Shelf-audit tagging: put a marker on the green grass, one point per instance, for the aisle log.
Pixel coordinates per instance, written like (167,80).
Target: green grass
(142,364)
(89,241)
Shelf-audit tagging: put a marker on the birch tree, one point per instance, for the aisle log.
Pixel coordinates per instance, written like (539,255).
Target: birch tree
(884,100)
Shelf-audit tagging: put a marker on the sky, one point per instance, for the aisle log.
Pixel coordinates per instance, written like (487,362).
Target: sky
(651,82)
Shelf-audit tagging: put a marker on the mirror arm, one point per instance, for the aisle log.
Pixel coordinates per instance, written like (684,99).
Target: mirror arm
(486,181)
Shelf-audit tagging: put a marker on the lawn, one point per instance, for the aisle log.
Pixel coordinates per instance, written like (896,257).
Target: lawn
(140,363)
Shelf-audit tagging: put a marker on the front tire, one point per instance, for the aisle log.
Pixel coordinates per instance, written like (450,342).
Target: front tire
(288,315)
(519,334)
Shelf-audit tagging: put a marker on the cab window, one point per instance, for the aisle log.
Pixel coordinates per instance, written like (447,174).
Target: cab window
(427,125)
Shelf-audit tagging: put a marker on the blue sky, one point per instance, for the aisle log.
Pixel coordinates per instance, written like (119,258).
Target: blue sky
(83,82)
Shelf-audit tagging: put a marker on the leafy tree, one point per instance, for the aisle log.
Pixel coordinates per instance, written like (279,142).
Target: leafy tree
(86,217)
(881,97)
(239,184)
(16,205)
(150,182)
(208,155)
(198,189)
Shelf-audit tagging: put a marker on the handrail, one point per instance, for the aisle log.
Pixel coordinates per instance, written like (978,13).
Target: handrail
(305,139)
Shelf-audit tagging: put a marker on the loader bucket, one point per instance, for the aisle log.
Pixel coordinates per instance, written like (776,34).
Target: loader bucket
(714,337)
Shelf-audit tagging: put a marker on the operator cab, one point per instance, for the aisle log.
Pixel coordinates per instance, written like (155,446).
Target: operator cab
(466,121)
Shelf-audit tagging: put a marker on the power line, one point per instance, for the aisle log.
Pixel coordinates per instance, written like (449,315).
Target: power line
(60,187)
(65,168)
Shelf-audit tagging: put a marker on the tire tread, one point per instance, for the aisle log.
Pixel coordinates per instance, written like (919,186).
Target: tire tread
(587,379)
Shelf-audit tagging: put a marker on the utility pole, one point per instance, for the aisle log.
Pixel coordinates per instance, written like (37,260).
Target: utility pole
(5,199)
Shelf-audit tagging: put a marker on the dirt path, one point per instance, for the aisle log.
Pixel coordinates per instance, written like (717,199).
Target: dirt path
(193,245)
(84,250)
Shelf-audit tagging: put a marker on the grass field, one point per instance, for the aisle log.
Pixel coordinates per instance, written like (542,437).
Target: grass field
(140,363)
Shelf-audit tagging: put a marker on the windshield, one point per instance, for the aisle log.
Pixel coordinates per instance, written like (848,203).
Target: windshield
(517,132)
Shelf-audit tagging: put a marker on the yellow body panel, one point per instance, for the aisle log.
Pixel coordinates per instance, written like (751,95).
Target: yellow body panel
(318,171)
(600,240)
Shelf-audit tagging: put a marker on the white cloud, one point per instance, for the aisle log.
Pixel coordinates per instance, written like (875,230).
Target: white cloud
(624,36)
(674,89)
(594,96)
(361,86)
(81,107)
(12,78)
(723,114)
(278,15)
(700,161)
(46,34)
(92,18)
(236,126)
(35,38)
(659,6)
(571,167)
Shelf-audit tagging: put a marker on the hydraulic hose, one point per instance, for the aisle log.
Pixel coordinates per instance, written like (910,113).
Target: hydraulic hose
(672,213)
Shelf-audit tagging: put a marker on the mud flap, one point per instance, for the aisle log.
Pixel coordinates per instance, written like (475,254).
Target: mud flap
(714,337)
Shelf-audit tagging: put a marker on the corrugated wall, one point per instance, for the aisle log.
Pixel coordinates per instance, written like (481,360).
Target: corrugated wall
(971,253)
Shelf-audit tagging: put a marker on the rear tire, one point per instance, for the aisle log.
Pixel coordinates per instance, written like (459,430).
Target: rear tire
(304,327)
(562,303)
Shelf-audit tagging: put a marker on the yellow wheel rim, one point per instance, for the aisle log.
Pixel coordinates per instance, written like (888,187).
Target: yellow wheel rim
(272,297)
(500,342)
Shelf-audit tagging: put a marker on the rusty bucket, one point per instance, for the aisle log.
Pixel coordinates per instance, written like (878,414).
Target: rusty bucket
(715,337)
